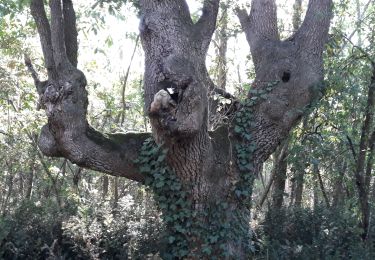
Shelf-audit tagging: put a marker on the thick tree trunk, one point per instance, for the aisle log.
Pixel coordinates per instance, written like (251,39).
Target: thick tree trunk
(202,181)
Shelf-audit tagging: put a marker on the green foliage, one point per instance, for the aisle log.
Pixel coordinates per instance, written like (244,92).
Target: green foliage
(246,146)
(127,231)
(302,233)
(183,223)
(12,7)
(37,230)
(172,199)
(31,227)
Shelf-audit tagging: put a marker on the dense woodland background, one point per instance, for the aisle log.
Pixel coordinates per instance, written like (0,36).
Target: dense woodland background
(311,201)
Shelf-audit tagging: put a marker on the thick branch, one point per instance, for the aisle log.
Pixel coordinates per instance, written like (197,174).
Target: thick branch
(315,26)
(68,133)
(263,19)
(70,32)
(261,24)
(244,18)
(180,7)
(260,28)
(207,22)
(57,34)
(39,14)
(297,14)
(112,154)
(290,70)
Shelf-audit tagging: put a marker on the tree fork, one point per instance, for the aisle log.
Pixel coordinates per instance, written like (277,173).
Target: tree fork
(212,173)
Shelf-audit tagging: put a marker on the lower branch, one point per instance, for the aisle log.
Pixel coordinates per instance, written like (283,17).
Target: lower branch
(113,154)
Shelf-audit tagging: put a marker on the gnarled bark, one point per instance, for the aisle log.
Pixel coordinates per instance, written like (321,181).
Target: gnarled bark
(176,84)
(64,98)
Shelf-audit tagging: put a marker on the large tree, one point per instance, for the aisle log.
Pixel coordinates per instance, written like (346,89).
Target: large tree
(202,180)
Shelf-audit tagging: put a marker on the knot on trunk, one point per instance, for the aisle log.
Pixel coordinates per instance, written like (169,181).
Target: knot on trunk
(65,95)
(179,107)
(47,143)
(179,70)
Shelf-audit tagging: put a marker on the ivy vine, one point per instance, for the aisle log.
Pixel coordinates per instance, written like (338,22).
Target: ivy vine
(244,122)
(172,200)
(183,223)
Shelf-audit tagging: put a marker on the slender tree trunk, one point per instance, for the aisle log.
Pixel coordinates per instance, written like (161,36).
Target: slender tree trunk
(316,171)
(77,175)
(280,168)
(30,181)
(339,187)
(366,143)
(105,186)
(125,82)
(292,190)
(55,186)
(266,191)
(297,181)
(10,183)
(298,191)
(115,193)
(21,184)
(315,190)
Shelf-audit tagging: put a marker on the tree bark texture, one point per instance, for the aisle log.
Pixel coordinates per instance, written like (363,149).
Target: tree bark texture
(280,169)
(202,180)
(365,152)
(221,39)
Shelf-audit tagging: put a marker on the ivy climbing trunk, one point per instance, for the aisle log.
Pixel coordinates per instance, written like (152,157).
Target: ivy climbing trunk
(202,180)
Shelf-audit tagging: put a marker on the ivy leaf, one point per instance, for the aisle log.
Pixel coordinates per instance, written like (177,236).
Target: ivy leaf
(171,239)
(238,193)
(161,157)
(159,184)
(145,168)
(213,239)
(207,250)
